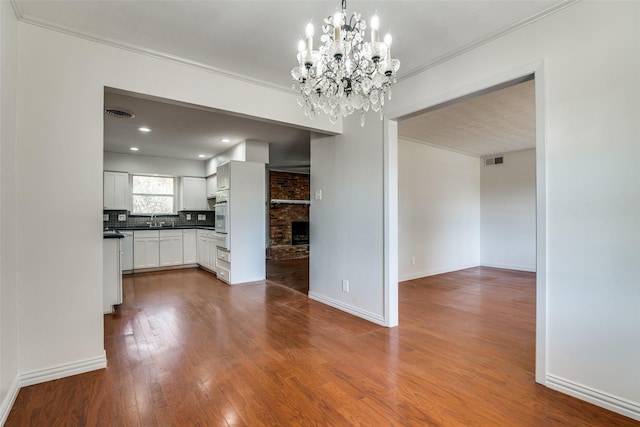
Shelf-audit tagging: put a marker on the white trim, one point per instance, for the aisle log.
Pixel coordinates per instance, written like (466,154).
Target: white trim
(537,69)
(8,401)
(290,202)
(434,272)
(613,403)
(145,51)
(48,374)
(390,222)
(226,73)
(64,370)
(508,266)
(487,39)
(371,317)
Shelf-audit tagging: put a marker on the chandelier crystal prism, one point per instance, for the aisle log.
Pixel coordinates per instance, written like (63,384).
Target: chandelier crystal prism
(346,73)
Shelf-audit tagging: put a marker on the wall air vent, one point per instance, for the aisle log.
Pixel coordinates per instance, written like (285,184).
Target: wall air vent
(493,161)
(121,114)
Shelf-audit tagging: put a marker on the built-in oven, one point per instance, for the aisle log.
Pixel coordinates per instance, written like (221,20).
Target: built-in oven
(221,211)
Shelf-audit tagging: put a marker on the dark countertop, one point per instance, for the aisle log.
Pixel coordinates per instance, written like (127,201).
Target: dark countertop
(112,234)
(177,227)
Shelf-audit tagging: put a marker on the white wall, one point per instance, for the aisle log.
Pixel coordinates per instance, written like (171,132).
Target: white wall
(590,101)
(346,226)
(438,210)
(8,290)
(244,151)
(59,164)
(508,212)
(153,165)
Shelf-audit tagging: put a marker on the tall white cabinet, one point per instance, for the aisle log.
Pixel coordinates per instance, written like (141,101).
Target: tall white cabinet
(243,260)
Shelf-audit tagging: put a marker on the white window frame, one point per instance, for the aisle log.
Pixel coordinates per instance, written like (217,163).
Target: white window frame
(175,194)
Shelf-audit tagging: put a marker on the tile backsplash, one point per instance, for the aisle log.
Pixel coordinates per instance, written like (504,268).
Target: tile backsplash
(179,220)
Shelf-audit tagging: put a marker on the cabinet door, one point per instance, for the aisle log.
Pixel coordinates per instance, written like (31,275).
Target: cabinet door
(194,194)
(170,247)
(223,173)
(200,247)
(116,190)
(212,186)
(152,252)
(127,252)
(146,249)
(189,247)
(145,253)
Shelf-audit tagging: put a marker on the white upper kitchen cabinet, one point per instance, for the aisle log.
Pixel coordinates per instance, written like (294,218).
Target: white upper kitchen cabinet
(116,190)
(212,186)
(193,194)
(223,174)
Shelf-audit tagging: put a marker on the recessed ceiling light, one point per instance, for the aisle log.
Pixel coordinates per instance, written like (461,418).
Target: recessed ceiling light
(134,148)
(144,129)
(202,155)
(226,140)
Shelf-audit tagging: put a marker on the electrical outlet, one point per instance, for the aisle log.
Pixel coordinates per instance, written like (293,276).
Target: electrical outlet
(105,217)
(345,285)
(202,217)
(413,260)
(318,194)
(188,217)
(122,217)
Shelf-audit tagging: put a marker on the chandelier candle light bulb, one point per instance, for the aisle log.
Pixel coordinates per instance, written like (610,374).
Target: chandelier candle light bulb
(346,73)
(309,34)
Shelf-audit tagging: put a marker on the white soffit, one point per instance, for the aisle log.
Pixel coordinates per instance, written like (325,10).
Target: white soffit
(493,123)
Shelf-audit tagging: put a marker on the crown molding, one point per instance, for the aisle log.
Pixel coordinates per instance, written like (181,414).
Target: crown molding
(145,51)
(441,147)
(487,39)
(229,74)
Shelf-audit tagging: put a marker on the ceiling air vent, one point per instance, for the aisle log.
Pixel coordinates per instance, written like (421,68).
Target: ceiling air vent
(494,161)
(121,114)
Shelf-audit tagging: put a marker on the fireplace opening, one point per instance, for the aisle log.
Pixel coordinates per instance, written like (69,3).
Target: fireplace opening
(300,233)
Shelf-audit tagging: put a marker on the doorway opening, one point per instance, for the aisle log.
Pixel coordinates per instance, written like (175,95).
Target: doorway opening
(288,228)
(478,198)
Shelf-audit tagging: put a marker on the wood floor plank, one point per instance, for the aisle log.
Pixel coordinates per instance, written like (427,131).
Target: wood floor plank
(185,349)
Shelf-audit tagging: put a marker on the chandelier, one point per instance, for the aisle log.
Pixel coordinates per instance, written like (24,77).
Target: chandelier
(346,73)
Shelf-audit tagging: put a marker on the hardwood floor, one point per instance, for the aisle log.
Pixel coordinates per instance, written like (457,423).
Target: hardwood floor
(186,349)
(292,273)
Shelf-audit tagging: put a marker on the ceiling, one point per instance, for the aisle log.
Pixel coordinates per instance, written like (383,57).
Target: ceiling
(256,40)
(496,122)
(184,131)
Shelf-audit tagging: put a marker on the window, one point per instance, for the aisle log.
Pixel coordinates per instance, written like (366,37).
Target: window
(153,194)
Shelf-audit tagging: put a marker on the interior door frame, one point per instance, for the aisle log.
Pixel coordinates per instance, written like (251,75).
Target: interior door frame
(390,201)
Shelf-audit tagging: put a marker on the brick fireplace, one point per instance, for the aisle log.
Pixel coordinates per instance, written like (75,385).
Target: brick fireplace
(288,218)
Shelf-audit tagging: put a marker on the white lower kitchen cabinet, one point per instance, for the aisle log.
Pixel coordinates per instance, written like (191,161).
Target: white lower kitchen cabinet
(170,248)
(146,249)
(127,252)
(189,247)
(206,250)
(111,274)
(223,264)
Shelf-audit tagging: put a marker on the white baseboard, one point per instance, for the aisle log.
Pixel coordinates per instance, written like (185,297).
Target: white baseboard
(61,371)
(509,266)
(8,401)
(433,272)
(613,403)
(371,317)
(48,374)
